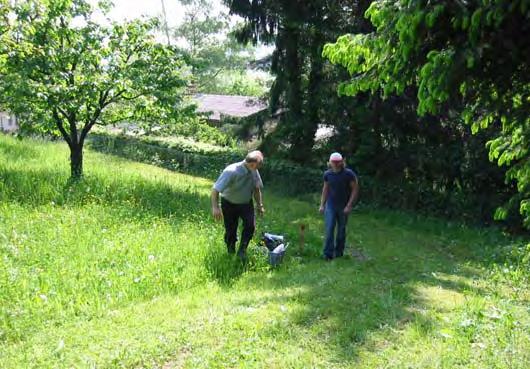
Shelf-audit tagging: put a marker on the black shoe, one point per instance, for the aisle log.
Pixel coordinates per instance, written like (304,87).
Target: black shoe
(231,249)
(327,258)
(242,254)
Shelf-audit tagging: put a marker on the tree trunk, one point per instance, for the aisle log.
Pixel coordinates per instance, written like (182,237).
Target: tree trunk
(294,72)
(76,162)
(314,97)
(306,127)
(294,119)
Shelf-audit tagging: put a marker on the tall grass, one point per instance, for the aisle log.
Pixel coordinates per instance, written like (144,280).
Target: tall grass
(126,269)
(127,232)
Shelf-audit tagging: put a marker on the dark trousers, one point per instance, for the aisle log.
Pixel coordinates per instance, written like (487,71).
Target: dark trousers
(231,214)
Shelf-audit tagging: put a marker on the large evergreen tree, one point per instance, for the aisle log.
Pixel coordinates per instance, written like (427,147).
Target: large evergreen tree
(299,30)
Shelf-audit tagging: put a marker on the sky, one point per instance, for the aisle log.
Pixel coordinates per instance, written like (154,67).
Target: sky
(131,9)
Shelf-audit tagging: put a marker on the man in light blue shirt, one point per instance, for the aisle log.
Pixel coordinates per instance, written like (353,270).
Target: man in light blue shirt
(238,184)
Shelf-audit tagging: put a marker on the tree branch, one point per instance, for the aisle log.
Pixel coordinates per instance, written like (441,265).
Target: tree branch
(103,95)
(114,98)
(64,113)
(88,126)
(86,129)
(132,97)
(60,125)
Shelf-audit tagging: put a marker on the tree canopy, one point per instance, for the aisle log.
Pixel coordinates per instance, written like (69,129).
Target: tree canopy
(469,58)
(65,73)
(206,40)
(430,160)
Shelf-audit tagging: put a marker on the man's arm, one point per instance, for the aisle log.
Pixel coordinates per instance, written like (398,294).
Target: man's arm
(219,186)
(258,197)
(216,211)
(324,196)
(353,195)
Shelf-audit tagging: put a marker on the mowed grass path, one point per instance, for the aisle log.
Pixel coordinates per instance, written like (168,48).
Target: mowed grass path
(127,270)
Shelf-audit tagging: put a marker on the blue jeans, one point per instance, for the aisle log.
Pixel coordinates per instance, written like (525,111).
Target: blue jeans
(334,246)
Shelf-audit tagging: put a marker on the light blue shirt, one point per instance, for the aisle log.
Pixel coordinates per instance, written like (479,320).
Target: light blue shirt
(237,183)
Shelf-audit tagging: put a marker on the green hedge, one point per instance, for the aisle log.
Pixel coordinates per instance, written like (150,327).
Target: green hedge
(205,160)
(293,179)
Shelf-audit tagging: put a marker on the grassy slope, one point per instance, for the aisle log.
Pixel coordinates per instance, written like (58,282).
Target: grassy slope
(127,270)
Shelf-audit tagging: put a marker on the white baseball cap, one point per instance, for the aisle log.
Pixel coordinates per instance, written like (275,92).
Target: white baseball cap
(335,157)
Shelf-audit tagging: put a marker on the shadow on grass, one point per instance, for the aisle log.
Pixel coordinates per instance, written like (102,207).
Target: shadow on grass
(132,198)
(345,301)
(342,302)
(223,268)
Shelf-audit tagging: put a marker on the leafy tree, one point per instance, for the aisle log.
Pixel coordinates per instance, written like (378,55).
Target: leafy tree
(463,57)
(66,73)
(207,43)
(4,27)
(3,16)
(430,162)
(239,83)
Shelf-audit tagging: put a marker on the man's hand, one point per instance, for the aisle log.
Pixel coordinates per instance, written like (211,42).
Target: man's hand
(217,214)
(261,210)
(348,209)
(321,209)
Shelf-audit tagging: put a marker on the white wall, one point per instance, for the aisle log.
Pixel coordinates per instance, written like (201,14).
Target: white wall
(8,123)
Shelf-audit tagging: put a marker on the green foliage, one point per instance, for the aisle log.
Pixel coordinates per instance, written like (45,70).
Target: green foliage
(219,64)
(245,129)
(237,83)
(208,46)
(174,154)
(207,160)
(4,27)
(470,58)
(65,73)
(4,19)
(196,128)
(304,85)
(430,163)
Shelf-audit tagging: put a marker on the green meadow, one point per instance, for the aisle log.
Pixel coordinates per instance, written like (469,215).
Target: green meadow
(126,269)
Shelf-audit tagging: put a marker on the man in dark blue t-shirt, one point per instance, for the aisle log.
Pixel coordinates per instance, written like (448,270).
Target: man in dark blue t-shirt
(338,194)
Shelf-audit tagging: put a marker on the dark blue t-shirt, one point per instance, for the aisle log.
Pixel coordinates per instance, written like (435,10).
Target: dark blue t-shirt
(339,186)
